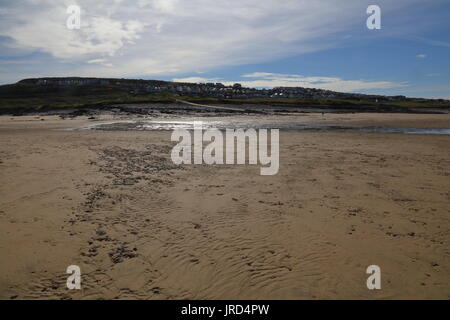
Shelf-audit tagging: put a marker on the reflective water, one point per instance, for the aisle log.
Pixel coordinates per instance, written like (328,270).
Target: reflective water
(141,125)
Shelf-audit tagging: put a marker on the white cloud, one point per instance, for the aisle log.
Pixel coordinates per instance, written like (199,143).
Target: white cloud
(103,62)
(97,35)
(197,80)
(421,56)
(96,61)
(431,42)
(271,80)
(161,37)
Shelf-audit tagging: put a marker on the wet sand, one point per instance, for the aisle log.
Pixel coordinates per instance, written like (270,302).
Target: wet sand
(141,227)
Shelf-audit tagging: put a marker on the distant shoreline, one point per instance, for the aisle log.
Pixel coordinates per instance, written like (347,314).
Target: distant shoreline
(57,95)
(220,107)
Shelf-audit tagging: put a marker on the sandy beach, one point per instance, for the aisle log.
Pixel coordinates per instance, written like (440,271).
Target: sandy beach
(141,227)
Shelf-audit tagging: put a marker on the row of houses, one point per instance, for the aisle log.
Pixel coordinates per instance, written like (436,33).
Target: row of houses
(70,81)
(217,90)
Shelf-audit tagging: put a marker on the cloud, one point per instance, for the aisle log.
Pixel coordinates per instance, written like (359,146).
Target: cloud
(97,36)
(421,56)
(163,37)
(271,80)
(432,42)
(198,80)
(103,62)
(429,91)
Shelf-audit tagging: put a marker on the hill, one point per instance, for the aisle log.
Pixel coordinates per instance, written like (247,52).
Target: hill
(39,94)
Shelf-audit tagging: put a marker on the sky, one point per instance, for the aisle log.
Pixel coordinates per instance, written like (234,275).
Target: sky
(259,43)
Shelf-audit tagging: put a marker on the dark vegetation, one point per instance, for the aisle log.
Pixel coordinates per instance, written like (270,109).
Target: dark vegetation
(23,97)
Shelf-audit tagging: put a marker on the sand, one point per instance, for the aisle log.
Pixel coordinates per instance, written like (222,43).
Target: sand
(140,227)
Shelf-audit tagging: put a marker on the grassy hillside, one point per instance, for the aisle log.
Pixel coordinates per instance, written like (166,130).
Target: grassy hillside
(30,96)
(22,97)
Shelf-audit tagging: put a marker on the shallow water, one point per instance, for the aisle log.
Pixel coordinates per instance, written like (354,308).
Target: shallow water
(142,125)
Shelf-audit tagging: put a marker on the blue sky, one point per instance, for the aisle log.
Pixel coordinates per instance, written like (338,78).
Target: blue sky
(323,43)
